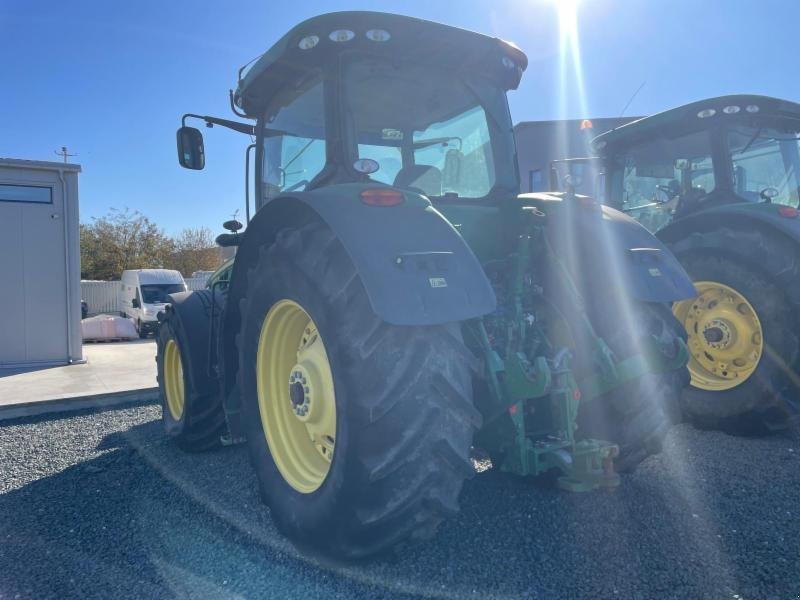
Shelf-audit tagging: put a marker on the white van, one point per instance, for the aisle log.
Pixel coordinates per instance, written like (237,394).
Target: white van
(143,294)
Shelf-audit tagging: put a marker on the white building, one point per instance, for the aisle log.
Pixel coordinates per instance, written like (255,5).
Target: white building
(40,303)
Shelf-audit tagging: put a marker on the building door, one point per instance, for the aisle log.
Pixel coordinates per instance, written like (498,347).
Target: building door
(33,267)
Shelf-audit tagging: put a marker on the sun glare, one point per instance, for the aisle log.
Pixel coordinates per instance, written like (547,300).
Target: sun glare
(567,17)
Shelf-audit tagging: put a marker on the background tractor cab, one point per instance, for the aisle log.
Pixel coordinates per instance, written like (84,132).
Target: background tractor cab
(394,299)
(719,181)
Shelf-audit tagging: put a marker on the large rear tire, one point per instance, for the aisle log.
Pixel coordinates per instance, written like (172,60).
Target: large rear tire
(744,330)
(638,415)
(402,398)
(192,413)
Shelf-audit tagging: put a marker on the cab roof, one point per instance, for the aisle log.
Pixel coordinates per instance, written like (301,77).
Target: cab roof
(644,127)
(409,39)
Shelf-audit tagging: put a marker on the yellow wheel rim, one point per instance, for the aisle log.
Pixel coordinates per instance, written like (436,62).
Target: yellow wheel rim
(725,336)
(296,399)
(173,380)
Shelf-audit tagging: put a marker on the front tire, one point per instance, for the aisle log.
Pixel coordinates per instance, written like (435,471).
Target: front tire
(402,401)
(192,414)
(743,330)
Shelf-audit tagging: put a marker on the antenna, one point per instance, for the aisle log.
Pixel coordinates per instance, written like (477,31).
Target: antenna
(63,152)
(639,89)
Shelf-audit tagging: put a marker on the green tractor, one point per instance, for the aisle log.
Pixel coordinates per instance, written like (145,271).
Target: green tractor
(395,305)
(718,181)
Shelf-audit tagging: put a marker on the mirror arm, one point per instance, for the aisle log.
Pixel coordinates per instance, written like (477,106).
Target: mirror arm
(246,128)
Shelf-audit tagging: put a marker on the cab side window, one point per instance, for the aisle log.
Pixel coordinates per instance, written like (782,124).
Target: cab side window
(294,142)
(762,161)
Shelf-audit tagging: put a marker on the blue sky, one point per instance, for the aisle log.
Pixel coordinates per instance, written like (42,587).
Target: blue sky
(110,80)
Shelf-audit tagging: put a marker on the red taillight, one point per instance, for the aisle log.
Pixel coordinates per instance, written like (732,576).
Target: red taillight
(790,212)
(381,197)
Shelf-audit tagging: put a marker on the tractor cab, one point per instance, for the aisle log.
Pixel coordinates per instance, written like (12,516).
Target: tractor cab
(728,150)
(362,97)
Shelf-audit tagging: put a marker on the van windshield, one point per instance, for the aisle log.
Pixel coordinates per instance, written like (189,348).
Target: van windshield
(440,133)
(157,293)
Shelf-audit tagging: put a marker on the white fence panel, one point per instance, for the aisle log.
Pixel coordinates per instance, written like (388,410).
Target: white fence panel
(196,283)
(103,296)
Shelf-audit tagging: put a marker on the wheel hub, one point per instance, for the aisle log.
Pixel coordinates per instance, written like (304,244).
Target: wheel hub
(302,380)
(718,333)
(725,336)
(297,394)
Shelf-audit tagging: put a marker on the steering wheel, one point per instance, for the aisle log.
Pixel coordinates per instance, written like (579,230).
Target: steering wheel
(668,192)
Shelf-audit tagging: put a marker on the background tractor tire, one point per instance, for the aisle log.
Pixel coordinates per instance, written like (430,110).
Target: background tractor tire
(403,402)
(200,422)
(638,415)
(766,272)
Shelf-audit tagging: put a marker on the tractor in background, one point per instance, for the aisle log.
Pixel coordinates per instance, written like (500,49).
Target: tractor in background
(718,181)
(394,301)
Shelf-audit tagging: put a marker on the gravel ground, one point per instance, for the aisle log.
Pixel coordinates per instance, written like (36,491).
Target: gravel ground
(100,505)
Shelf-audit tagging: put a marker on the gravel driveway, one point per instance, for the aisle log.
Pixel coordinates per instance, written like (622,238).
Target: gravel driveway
(100,505)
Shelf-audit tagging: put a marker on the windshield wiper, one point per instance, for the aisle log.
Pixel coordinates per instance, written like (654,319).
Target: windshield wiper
(298,155)
(752,139)
(419,144)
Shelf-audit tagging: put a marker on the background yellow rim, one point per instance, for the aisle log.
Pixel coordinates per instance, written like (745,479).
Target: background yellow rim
(730,361)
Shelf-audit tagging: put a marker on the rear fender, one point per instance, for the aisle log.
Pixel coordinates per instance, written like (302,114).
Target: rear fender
(779,259)
(603,248)
(737,216)
(415,267)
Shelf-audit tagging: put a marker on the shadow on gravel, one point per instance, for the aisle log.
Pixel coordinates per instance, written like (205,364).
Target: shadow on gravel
(121,525)
(712,517)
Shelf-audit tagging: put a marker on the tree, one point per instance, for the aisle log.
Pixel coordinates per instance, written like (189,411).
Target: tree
(122,240)
(194,250)
(128,240)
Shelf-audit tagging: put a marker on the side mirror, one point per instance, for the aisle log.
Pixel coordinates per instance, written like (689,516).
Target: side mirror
(135,303)
(191,154)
